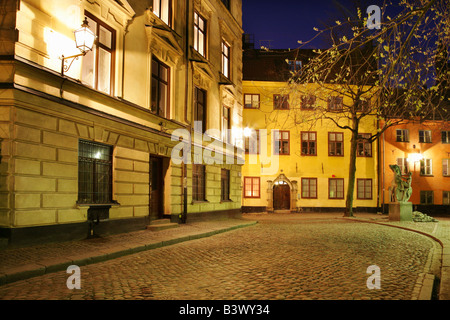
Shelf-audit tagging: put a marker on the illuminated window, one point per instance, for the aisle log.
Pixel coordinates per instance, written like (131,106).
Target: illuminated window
(402,135)
(252,143)
(364,189)
(445,136)
(403,165)
(97,68)
(252,187)
(281,146)
(309,143)
(251,101)
(225,59)
(425,136)
(94,173)
(336,188)
(309,188)
(364,146)
(199,34)
(295,65)
(446,167)
(335,144)
(426,167)
(163,10)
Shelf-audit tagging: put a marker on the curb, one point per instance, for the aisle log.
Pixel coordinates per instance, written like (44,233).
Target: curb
(35,270)
(427,283)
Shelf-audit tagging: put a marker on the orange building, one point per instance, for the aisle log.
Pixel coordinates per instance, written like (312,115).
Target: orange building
(424,150)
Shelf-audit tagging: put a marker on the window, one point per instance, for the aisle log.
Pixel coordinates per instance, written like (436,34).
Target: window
(226,125)
(199,34)
(252,187)
(335,103)
(426,168)
(402,135)
(198,182)
(295,65)
(425,136)
(364,147)
(426,197)
(308,102)
(364,189)
(200,110)
(160,88)
(225,184)
(403,165)
(336,188)
(446,167)
(335,144)
(226,3)
(445,136)
(281,142)
(98,64)
(281,101)
(163,10)
(94,173)
(363,106)
(446,197)
(309,188)
(251,101)
(225,59)
(252,143)
(309,143)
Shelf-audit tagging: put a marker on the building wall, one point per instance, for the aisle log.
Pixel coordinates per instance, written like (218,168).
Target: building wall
(43,115)
(435,150)
(295,166)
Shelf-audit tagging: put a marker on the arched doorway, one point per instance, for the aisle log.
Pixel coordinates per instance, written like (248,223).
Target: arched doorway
(281,196)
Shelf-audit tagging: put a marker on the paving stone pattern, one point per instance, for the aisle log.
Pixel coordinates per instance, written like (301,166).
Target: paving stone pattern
(277,258)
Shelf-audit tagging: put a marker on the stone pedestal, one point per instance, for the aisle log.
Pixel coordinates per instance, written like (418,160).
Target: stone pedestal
(400,211)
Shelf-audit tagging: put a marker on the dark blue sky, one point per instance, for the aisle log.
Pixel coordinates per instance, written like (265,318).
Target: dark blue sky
(287,21)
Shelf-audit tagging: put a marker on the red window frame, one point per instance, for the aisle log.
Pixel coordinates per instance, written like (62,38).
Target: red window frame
(334,143)
(308,141)
(279,143)
(358,181)
(329,188)
(309,188)
(281,101)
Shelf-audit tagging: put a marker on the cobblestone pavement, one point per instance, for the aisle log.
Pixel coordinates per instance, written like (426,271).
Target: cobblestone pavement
(281,257)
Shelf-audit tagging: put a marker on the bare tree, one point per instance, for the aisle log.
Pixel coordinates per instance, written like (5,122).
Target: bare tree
(396,73)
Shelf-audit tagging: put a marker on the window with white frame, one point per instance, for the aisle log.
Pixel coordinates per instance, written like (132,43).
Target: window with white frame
(225,59)
(426,167)
(446,167)
(402,135)
(426,197)
(403,165)
(445,136)
(425,136)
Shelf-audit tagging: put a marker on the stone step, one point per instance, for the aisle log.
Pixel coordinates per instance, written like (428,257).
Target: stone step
(161,224)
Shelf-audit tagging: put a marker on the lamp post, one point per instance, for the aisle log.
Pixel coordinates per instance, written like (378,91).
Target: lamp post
(84,40)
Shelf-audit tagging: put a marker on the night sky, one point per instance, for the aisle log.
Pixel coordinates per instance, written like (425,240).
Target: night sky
(287,21)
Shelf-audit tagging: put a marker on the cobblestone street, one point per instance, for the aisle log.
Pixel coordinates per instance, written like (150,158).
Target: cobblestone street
(281,257)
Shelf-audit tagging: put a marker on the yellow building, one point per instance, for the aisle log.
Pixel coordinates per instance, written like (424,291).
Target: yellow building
(294,164)
(87,141)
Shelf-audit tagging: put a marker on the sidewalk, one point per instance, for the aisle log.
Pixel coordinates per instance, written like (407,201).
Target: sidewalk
(23,263)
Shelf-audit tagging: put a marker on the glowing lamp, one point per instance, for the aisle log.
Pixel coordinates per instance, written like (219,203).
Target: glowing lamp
(414,157)
(84,37)
(247,132)
(84,40)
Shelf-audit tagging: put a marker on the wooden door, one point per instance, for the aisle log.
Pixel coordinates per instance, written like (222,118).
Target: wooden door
(281,197)
(156,188)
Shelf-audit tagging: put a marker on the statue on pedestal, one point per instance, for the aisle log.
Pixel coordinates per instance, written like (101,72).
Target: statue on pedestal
(402,188)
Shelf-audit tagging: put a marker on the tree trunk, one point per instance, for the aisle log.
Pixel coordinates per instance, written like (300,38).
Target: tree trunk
(352,170)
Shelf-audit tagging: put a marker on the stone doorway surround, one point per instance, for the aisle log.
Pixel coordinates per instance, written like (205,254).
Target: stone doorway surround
(292,186)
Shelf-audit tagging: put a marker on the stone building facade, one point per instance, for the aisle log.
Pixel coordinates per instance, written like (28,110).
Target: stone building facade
(88,150)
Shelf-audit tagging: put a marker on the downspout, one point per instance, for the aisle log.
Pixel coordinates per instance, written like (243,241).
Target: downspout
(183,216)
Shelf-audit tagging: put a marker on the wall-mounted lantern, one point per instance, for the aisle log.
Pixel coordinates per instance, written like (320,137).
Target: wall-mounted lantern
(84,40)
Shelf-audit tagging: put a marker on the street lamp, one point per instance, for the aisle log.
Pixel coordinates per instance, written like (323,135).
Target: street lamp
(84,40)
